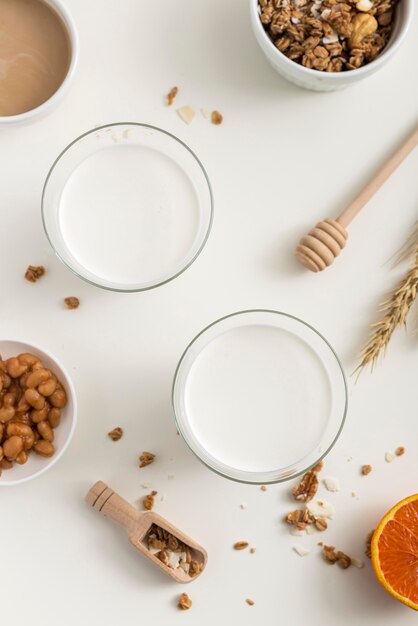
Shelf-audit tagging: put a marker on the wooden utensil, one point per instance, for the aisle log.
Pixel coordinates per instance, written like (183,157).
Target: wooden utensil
(323,244)
(103,499)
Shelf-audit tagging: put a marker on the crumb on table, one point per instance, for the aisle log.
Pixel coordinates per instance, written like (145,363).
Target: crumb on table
(34,272)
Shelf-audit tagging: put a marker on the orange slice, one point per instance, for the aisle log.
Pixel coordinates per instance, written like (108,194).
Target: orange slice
(395,551)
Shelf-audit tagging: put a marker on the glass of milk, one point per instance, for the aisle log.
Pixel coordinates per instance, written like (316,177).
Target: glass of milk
(259,396)
(127,207)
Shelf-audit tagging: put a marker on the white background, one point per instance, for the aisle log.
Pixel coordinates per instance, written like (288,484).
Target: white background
(282,160)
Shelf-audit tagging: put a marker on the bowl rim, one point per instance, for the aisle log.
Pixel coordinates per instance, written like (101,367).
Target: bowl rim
(211,207)
(70,388)
(261,481)
(355,74)
(69,24)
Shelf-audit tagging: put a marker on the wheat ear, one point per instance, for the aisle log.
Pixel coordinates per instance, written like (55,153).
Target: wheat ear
(396,310)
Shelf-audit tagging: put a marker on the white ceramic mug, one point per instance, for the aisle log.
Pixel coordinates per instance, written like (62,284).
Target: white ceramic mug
(330,81)
(68,21)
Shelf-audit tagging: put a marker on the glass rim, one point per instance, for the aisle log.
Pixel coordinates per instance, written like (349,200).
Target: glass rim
(261,481)
(161,282)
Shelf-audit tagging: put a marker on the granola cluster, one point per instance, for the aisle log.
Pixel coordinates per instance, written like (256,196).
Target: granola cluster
(329,35)
(171,551)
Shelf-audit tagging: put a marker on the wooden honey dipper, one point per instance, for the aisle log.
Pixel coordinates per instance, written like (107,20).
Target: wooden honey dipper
(103,499)
(323,244)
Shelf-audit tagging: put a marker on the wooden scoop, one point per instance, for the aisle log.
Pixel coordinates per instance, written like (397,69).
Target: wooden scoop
(102,498)
(323,244)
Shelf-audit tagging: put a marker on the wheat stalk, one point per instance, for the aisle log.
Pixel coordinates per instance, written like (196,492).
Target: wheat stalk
(396,310)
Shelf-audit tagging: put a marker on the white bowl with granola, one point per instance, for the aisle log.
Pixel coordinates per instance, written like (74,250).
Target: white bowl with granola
(324,45)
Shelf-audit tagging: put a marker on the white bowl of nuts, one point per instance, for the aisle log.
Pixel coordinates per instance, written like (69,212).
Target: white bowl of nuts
(324,45)
(37,411)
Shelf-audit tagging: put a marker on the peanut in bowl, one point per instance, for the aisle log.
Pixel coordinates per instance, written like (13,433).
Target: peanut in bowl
(37,411)
(324,45)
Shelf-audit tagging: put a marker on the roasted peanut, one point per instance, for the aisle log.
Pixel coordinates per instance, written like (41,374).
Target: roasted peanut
(12,447)
(22,457)
(24,431)
(44,448)
(27,359)
(35,399)
(37,377)
(48,388)
(7,381)
(23,405)
(40,415)
(58,399)
(14,368)
(46,432)
(9,399)
(6,413)
(54,417)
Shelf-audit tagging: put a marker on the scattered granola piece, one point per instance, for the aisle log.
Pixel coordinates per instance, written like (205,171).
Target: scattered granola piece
(263,488)
(249,601)
(187,114)
(146,485)
(300,518)
(311,530)
(354,494)
(332,556)
(149,501)
(116,434)
(241,545)
(357,562)
(217,118)
(321,508)
(184,603)
(368,550)
(252,550)
(321,524)
(72,302)
(146,458)
(389,457)
(300,550)
(400,451)
(34,272)
(171,95)
(366,469)
(332,484)
(307,488)
(243,505)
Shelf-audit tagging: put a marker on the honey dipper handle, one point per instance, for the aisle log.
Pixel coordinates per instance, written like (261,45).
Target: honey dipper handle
(381,177)
(103,499)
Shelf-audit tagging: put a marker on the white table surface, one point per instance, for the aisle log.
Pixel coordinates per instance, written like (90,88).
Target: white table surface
(283,159)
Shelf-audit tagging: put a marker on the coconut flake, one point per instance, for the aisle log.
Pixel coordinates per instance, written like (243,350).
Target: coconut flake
(389,457)
(321,508)
(332,484)
(357,562)
(300,550)
(331,39)
(187,114)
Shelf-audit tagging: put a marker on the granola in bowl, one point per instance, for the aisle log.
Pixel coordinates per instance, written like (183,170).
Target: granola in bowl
(329,35)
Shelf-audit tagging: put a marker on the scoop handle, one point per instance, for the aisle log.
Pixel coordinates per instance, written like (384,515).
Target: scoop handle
(106,501)
(380,177)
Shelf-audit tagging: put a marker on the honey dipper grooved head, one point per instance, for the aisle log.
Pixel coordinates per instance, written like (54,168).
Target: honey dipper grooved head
(318,249)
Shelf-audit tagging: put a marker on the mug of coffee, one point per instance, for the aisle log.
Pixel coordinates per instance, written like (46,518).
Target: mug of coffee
(38,57)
